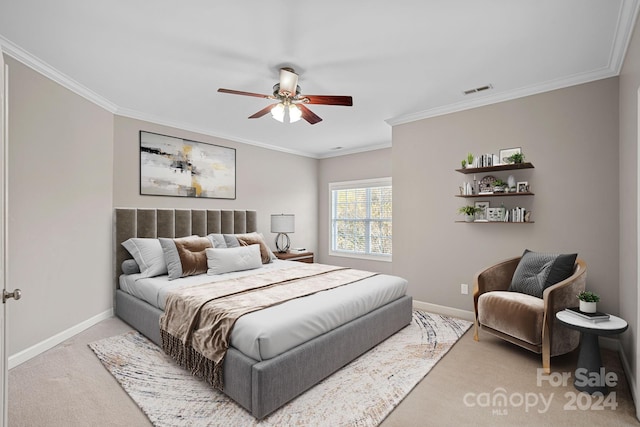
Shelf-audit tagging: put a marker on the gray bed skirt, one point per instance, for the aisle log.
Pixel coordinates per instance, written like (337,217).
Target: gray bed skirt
(261,387)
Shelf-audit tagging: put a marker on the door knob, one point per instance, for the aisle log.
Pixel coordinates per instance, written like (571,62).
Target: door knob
(16,294)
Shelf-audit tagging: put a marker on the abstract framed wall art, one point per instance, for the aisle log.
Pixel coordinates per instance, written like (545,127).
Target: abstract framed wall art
(171,166)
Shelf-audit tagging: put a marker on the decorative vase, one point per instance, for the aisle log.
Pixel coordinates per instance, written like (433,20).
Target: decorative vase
(587,307)
(469,218)
(511,181)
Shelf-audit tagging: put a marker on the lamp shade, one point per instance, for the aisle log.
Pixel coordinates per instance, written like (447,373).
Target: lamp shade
(283,223)
(294,113)
(277,112)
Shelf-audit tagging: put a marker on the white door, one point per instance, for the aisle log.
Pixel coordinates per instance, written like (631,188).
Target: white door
(3,326)
(4,295)
(638,255)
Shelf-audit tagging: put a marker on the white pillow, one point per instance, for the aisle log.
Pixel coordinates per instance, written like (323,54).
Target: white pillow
(148,254)
(226,260)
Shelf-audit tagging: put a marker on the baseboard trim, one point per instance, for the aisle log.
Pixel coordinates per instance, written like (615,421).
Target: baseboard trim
(628,373)
(41,347)
(444,310)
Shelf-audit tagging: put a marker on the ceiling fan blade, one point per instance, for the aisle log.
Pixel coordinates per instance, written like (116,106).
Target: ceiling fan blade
(239,92)
(329,100)
(309,115)
(262,112)
(288,82)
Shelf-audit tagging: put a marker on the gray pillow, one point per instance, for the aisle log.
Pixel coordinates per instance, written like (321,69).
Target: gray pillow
(148,254)
(233,259)
(217,240)
(130,266)
(231,240)
(537,271)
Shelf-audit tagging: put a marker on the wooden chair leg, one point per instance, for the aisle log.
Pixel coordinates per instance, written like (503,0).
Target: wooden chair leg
(546,350)
(475,330)
(546,363)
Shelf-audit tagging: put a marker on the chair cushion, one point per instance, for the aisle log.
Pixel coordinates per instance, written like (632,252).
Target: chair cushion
(512,313)
(537,271)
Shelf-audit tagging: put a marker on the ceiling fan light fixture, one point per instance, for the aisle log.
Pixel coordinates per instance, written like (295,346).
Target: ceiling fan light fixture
(277,112)
(294,113)
(288,82)
(290,104)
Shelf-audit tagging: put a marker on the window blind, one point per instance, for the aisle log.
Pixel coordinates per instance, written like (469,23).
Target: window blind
(361,219)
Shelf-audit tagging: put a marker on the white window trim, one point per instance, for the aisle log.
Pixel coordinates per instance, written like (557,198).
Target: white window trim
(361,183)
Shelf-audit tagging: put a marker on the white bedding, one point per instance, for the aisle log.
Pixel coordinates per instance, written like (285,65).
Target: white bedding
(267,333)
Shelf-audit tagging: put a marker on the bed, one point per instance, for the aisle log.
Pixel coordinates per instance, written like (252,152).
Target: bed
(264,376)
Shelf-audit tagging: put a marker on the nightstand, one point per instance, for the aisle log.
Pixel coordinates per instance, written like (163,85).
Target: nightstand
(295,256)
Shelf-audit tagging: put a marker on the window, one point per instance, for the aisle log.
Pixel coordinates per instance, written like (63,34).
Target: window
(361,219)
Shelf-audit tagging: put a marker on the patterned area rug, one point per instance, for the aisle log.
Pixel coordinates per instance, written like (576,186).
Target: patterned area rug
(362,393)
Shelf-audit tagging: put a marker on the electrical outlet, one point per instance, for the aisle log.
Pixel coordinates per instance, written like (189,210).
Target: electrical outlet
(464,289)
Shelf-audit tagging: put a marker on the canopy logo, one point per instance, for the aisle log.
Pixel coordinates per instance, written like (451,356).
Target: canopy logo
(501,402)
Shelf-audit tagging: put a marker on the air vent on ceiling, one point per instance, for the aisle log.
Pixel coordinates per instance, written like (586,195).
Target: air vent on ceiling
(478,89)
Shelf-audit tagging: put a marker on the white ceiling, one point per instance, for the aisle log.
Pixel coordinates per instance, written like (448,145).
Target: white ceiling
(401,60)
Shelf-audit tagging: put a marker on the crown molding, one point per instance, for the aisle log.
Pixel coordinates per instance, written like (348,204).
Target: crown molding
(132,114)
(31,61)
(504,96)
(36,64)
(629,10)
(137,115)
(627,17)
(364,149)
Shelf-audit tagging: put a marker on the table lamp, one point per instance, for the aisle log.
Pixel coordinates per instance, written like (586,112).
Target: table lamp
(282,224)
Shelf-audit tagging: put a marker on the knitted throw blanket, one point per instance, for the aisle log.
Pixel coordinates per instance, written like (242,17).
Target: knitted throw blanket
(197,322)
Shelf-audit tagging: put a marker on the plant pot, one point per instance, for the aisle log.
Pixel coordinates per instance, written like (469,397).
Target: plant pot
(587,307)
(469,218)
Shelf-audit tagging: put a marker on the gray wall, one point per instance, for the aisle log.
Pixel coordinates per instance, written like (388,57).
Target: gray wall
(70,163)
(629,122)
(60,198)
(570,135)
(268,181)
(367,165)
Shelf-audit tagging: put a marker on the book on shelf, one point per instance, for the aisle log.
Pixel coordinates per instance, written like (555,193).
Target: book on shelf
(598,316)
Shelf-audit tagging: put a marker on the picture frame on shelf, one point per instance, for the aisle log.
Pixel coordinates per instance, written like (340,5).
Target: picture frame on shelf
(482,214)
(505,153)
(495,214)
(523,186)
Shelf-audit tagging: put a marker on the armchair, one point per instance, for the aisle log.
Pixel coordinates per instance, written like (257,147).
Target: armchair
(526,320)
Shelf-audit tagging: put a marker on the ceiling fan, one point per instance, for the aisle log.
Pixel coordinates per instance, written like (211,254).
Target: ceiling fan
(291,101)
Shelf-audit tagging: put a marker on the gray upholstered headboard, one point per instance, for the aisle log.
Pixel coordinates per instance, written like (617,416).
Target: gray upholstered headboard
(172,223)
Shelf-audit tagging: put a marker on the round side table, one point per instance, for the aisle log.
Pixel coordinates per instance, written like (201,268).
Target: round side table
(589,359)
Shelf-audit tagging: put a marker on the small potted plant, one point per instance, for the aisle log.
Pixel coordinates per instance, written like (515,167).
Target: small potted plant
(516,158)
(470,160)
(588,301)
(499,186)
(469,212)
(464,164)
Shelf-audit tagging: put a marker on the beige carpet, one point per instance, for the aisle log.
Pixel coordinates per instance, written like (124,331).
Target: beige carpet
(68,386)
(363,393)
